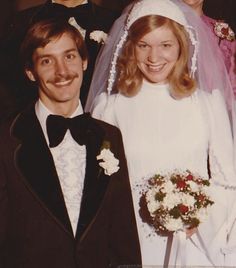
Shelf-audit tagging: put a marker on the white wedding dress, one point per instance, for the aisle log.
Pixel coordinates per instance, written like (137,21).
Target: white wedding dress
(161,134)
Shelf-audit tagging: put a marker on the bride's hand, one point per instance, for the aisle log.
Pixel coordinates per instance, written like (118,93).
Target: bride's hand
(190,231)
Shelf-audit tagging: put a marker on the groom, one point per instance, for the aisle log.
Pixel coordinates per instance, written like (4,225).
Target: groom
(85,15)
(65,197)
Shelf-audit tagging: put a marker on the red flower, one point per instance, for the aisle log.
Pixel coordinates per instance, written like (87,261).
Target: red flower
(181,184)
(189,177)
(201,197)
(225,31)
(183,209)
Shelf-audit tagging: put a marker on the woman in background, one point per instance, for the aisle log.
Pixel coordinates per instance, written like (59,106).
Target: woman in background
(223,36)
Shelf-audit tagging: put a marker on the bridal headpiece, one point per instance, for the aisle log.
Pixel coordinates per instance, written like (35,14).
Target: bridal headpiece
(165,8)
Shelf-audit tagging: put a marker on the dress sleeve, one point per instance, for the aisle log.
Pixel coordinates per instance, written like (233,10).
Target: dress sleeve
(232,70)
(104,108)
(221,154)
(228,49)
(223,175)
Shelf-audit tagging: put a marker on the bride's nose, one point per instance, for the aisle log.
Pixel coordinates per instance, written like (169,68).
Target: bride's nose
(154,55)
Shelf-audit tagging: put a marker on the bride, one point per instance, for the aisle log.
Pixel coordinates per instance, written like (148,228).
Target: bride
(173,112)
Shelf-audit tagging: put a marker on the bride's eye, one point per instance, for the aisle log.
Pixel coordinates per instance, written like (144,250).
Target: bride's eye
(142,45)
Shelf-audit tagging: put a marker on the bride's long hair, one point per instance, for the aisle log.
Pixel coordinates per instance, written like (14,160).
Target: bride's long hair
(130,76)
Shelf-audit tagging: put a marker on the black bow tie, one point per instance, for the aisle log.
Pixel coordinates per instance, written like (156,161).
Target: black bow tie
(54,10)
(58,125)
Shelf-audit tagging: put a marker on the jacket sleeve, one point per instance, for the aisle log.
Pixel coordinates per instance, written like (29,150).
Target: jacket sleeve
(124,242)
(3,212)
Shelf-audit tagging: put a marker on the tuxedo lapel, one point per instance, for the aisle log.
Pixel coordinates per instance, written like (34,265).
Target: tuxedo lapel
(95,183)
(34,161)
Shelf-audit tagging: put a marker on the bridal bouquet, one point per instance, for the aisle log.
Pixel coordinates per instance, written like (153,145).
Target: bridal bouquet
(175,201)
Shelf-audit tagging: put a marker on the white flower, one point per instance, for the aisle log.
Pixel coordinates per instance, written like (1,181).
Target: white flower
(168,187)
(188,200)
(193,186)
(98,36)
(152,203)
(110,164)
(171,200)
(173,224)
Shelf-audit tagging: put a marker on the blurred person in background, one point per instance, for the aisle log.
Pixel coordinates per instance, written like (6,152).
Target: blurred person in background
(223,35)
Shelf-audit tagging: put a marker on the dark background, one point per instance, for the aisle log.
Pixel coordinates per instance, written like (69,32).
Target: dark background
(218,9)
(222,9)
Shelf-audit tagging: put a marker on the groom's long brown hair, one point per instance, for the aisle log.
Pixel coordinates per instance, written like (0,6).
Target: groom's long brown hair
(43,32)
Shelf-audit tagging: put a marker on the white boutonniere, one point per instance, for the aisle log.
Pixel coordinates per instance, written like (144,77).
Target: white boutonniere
(98,36)
(109,163)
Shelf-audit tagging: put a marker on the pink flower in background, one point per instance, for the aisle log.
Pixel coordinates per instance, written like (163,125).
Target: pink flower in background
(223,31)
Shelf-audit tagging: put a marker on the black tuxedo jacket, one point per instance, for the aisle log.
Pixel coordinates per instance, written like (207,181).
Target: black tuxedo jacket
(35,229)
(12,78)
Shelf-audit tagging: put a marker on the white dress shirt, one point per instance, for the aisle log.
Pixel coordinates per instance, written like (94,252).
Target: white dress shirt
(70,162)
(73,22)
